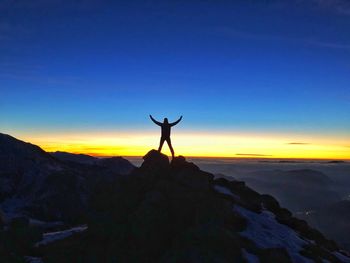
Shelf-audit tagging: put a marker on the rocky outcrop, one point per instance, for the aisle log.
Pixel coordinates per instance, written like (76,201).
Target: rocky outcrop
(174,212)
(155,162)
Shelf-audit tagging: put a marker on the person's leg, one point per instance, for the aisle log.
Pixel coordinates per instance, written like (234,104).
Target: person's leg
(161,144)
(170,147)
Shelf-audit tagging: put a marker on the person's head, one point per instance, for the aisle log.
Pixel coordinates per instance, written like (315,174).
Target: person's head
(165,120)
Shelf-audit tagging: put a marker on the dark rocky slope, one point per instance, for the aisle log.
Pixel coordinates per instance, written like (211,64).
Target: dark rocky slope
(35,184)
(174,212)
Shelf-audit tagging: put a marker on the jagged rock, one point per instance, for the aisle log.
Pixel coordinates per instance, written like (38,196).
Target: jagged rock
(190,175)
(270,203)
(247,197)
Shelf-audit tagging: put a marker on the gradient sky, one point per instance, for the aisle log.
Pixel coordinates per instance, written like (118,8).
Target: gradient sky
(252,78)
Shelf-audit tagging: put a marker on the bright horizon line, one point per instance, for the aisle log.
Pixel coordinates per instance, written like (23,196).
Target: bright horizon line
(199,145)
(214,157)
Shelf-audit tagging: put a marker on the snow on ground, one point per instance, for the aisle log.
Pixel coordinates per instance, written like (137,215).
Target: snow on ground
(251,258)
(266,232)
(224,190)
(55,236)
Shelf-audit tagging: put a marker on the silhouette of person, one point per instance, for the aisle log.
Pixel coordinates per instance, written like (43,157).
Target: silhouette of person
(166,126)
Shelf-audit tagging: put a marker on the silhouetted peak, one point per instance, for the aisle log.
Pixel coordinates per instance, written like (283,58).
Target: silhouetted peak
(158,161)
(154,154)
(155,160)
(72,157)
(11,145)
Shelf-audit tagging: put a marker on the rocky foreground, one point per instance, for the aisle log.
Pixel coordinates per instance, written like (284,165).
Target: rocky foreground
(174,212)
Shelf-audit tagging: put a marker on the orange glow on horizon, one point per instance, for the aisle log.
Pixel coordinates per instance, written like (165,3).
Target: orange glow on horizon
(197,145)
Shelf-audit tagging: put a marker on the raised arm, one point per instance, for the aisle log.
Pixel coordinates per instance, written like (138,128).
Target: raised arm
(156,122)
(176,122)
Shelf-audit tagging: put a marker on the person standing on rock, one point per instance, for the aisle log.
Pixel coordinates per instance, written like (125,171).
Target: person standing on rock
(166,127)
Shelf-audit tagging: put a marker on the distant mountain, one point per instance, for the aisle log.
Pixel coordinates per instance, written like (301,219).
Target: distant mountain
(113,164)
(39,185)
(298,190)
(174,212)
(17,156)
(76,158)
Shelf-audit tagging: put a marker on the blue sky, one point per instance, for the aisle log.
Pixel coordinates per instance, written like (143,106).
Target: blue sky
(254,66)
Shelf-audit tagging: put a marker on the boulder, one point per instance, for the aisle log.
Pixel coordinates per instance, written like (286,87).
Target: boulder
(154,162)
(270,203)
(179,162)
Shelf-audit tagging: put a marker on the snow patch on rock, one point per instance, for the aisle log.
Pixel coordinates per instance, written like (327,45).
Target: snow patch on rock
(59,235)
(266,232)
(223,190)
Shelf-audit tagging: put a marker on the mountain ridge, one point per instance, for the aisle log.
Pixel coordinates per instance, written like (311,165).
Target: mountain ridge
(165,212)
(36,184)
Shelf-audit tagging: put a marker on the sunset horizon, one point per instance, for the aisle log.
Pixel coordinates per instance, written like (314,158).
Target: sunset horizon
(190,144)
